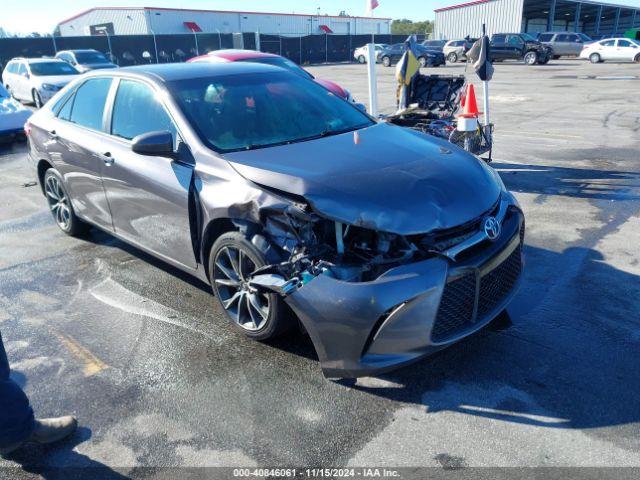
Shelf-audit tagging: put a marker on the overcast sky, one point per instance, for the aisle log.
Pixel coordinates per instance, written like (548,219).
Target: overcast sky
(25,16)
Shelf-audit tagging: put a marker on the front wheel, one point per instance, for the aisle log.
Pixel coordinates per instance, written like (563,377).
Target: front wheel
(422,61)
(60,205)
(37,99)
(259,316)
(362,59)
(595,58)
(386,61)
(452,57)
(531,58)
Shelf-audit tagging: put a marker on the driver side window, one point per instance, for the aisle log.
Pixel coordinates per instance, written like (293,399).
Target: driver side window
(136,110)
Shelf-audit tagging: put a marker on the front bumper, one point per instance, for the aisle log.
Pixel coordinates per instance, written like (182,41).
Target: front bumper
(413,310)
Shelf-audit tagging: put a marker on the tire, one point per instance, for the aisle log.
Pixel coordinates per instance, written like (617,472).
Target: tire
(556,57)
(258,316)
(544,61)
(386,61)
(37,99)
(362,59)
(422,61)
(452,57)
(530,58)
(637,59)
(8,88)
(60,205)
(595,58)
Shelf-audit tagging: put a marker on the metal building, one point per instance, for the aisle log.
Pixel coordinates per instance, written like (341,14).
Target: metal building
(149,20)
(531,16)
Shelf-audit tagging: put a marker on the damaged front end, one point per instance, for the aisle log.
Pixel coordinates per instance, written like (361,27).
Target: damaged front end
(373,300)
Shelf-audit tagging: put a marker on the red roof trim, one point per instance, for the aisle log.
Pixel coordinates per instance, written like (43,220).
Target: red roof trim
(193,26)
(84,12)
(462,5)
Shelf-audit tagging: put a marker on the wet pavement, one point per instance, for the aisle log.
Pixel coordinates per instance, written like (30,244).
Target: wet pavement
(158,377)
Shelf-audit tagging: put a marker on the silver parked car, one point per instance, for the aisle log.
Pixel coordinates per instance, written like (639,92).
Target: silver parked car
(385,243)
(85,60)
(456,50)
(565,44)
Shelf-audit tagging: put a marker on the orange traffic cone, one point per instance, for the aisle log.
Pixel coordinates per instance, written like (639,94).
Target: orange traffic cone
(469,103)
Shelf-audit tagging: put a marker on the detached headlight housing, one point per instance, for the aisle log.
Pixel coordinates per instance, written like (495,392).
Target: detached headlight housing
(49,87)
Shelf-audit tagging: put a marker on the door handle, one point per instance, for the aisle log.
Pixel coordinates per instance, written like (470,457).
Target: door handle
(108,159)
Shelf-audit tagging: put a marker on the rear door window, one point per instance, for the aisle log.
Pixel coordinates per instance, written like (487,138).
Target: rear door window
(89,102)
(499,39)
(624,43)
(563,38)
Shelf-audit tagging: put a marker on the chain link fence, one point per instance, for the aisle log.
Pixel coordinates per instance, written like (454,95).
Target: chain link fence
(125,50)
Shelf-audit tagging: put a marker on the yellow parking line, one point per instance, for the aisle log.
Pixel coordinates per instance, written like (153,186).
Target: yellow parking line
(91,363)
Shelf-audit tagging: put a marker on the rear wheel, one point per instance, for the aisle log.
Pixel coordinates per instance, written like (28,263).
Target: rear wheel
(452,57)
(386,61)
(362,59)
(530,58)
(422,61)
(60,205)
(637,59)
(595,58)
(556,57)
(259,316)
(543,61)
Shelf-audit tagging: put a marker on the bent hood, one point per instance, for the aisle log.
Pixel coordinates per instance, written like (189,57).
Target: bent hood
(391,179)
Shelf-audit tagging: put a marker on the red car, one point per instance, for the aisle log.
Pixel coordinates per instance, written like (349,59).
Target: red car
(231,55)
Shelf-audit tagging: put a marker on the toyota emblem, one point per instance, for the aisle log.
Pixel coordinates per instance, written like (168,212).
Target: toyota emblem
(491,228)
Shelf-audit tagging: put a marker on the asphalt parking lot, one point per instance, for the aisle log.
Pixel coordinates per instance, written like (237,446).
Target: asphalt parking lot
(157,377)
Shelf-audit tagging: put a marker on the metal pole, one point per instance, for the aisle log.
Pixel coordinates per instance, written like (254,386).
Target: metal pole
(195,37)
(219,39)
(280,40)
(111,55)
(373,81)
(485,91)
(155,46)
(551,20)
(326,48)
(617,22)
(55,47)
(576,20)
(300,62)
(598,19)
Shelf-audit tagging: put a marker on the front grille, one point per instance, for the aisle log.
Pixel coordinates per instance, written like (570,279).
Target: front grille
(456,311)
(496,285)
(456,307)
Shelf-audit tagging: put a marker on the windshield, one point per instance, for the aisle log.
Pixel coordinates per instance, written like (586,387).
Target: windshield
(52,68)
(279,62)
(528,38)
(242,112)
(90,57)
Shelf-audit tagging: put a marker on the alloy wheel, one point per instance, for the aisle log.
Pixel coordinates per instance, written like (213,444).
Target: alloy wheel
(530,58)
(244,304)
(58,202)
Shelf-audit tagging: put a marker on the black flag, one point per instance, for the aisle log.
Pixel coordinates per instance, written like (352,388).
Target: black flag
(480,56)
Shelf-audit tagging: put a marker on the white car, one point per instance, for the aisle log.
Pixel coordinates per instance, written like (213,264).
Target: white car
(616,49)
(36,79)
(13,116)
(360,53)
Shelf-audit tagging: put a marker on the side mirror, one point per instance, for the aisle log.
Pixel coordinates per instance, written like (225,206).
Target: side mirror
(157,144)
(361,106)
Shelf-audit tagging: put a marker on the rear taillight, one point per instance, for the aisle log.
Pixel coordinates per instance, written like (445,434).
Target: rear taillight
(27,129)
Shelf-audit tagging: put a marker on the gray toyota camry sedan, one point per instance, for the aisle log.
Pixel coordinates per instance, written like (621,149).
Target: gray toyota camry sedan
(384,243)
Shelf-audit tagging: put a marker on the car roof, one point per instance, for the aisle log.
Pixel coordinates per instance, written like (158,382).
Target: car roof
(168,72)
(81,50)
(233,54)
(38,60)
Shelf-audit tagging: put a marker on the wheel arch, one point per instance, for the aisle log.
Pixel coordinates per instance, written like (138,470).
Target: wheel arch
(42,167)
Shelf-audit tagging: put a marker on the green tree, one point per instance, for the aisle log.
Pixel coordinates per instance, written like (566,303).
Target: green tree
(407,27)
